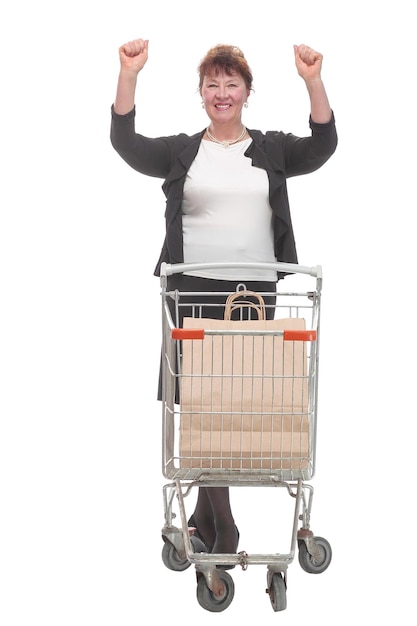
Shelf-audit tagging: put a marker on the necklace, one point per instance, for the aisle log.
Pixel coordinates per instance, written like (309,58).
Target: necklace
(226,143)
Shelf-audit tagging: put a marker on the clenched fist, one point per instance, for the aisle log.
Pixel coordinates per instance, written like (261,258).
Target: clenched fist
(308,62)
(134,54)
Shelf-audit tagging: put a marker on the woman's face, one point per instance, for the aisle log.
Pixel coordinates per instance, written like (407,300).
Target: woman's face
(223,96)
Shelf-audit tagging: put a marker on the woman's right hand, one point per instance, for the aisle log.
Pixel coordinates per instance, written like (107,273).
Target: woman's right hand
(133,55)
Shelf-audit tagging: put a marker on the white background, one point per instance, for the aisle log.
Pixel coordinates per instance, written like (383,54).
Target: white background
(80,445)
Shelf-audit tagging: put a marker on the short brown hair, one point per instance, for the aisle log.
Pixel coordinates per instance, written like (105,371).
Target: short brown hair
(228,59)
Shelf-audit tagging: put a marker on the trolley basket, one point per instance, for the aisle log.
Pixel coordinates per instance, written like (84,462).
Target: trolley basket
(239,394)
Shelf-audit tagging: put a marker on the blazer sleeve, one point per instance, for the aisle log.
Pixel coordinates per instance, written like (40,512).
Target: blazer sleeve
(303,155)
(149,156)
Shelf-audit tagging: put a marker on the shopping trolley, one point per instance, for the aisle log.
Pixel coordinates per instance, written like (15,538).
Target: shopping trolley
(239,408)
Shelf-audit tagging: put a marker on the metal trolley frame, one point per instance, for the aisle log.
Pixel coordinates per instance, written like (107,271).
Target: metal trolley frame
(239,408)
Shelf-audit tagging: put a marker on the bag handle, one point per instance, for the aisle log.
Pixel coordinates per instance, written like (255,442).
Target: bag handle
(233,303)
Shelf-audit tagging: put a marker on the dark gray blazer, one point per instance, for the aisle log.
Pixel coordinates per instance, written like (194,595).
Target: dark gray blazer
(281,155)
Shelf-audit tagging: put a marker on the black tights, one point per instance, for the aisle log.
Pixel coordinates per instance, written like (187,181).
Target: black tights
(214,521)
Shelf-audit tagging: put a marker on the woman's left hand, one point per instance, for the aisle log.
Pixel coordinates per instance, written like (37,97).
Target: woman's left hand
(308,62)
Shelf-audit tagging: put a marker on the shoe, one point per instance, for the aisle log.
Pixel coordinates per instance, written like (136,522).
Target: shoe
(197,544)
(194,532)
(224,566)
(192,526)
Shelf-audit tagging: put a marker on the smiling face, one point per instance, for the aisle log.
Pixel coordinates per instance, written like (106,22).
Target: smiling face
(223,96)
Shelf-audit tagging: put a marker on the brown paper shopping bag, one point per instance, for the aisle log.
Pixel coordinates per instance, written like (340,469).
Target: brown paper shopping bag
(244,398)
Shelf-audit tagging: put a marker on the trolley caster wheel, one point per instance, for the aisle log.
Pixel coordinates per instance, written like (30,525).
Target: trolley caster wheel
(278,592)
(172,559)
(319,562)
(212,602)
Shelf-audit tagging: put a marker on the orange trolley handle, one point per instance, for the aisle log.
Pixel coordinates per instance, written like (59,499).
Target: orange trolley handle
(199,333)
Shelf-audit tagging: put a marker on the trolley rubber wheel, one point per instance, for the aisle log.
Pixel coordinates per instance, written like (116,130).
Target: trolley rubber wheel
(314,565)
(211,602)
(172,559)
(278,592)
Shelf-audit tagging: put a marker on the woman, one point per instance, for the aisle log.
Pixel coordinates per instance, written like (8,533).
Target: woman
(226,196)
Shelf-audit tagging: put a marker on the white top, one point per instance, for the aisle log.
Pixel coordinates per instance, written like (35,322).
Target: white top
(226,212)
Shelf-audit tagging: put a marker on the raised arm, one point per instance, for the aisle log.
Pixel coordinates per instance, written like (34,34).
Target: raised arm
(133,56)
(308,63)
